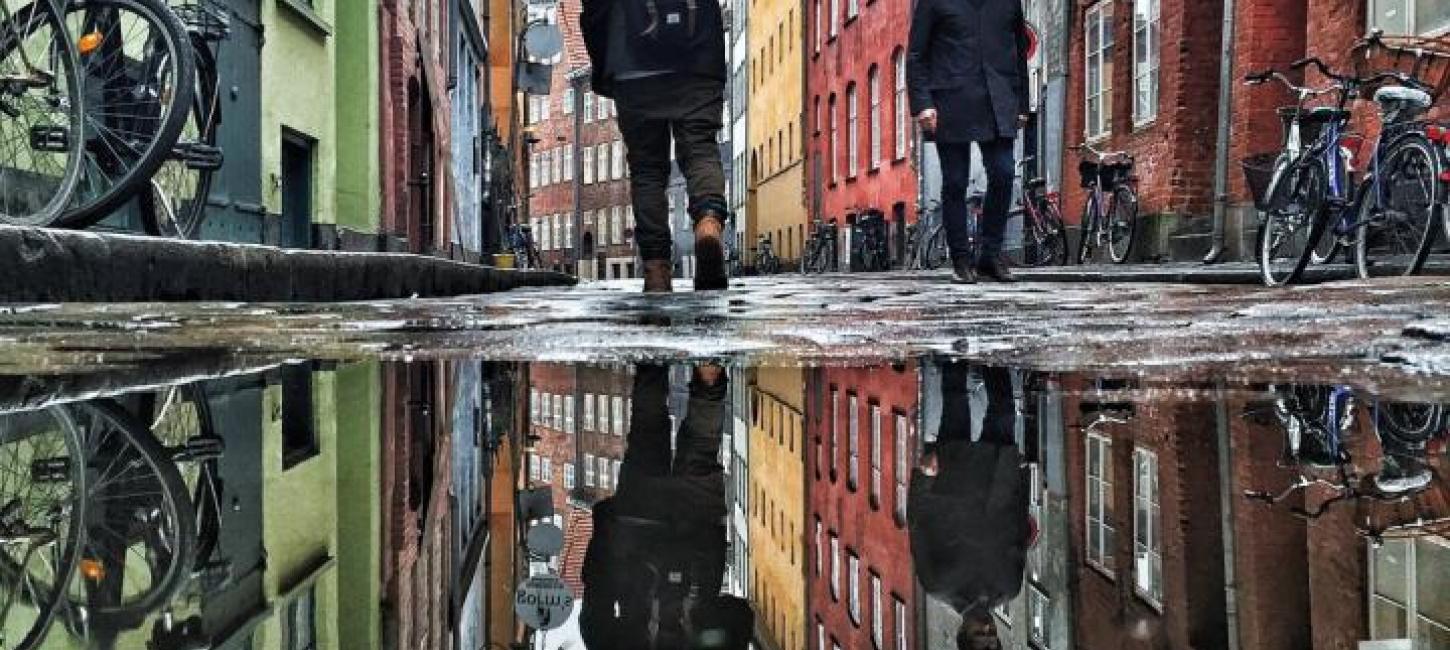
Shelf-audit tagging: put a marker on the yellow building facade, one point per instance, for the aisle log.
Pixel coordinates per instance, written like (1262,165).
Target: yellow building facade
(776,202)
(777,505)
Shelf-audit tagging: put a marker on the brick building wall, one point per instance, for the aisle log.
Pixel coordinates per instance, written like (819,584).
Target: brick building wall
(416,523)
(1108,610)
(875,39)
(414,121)
(870,528)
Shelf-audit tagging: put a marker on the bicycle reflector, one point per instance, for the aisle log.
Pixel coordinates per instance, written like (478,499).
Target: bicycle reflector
(90,42)
(92,569)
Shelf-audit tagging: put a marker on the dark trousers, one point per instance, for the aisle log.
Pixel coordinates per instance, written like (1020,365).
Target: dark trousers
(688,483)
(652,111)
(956,172)
(998,423)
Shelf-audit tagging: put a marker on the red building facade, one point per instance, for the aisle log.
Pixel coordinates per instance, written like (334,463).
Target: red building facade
(414,123)
(857,526)
(860,150)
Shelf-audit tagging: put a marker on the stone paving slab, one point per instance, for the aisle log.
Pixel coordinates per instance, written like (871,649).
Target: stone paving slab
(48,265)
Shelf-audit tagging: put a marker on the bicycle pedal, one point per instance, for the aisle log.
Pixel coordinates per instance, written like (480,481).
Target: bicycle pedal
(198,156)
(51,139)
(50,470)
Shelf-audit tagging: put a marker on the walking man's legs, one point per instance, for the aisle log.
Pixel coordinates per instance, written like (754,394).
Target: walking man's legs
(644,122)
(997,158)
(696,131)
(956,169)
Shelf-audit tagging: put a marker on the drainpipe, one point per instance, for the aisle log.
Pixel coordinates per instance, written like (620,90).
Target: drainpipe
(576,82)
(1226,510)
(1220,162)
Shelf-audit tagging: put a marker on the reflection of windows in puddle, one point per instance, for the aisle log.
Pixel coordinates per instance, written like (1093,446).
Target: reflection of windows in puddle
(1410,591)
(299,432)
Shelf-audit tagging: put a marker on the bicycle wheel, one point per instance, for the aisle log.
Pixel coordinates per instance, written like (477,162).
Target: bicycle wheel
(1411,423)
(1089,224)
(138,77)
(40,114)
(140,528)
(1056,232)
(1123,224)
(1295,219)
(181,421)
(1397,226)
(175,204)
(42,511)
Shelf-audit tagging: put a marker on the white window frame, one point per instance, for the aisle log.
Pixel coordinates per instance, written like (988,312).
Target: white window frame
(568,164)
(601,154)
(853,582)
(1099,17)
(603,414)
(534,402)
(569,476)
(546,469)
(588,411)
(1412,18)
(853,135)
(588,160)
(588,470)
(1039,618)
(588,106)
(1099,479)
(835,567)
(853,9)
(902,466)
(817,24)
(820,534)
(566,104)
(835,19)
(568,414)
(878,613)
(1414,620)
(835,430)
(873,95)
(853,442)
(876,470)
(1147,539)
(604,475)
(1147,59)
(618,159)
(902,106)
(535,470)
(618,411)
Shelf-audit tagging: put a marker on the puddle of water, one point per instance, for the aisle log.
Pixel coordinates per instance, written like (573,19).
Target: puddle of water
(689,505)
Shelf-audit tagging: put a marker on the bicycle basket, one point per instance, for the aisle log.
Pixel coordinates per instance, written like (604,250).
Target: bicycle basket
(1427,59)
(1115,174)
(1258,173)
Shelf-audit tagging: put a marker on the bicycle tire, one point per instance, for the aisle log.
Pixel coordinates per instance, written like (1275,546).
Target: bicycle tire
(1409,423)
(1410,233)
(68,558)
(172,492)
(1057,231)
(1089,226)
(1124,209)
(175,204)
(129,144)
(1296,206)
(29,195)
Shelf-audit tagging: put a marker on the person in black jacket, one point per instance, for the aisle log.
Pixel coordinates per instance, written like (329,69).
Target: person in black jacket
(663,63)
(966,70)
(656,562)
(967,515)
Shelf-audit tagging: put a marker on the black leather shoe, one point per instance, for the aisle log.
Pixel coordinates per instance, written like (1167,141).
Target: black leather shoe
(963,273)
(996,270)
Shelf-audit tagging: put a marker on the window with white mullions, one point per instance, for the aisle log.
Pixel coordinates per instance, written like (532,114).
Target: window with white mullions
(901,631)
(1098,76)
(1146,44)
(902,106)
(875,456)
(1099,541)
(1410,17)
(874,90)
(1039,615)
(902,467)
(1036,494)
(853,133)
(853,443)
(853,565)
(1410,591)
(1147,525)
(878,613)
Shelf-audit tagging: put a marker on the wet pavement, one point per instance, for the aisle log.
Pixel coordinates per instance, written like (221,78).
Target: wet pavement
(876,462)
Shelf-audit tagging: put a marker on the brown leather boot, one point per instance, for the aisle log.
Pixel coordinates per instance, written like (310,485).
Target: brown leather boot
(658,276)
(710,253)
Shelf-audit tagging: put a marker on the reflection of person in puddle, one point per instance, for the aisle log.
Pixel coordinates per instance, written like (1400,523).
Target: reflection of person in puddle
(656,562)
(967,507)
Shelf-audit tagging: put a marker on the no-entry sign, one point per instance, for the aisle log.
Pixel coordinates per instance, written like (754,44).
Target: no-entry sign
(543,602)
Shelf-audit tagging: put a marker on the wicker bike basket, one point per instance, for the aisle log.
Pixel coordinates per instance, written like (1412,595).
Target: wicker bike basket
(1426,59)
(1258,173)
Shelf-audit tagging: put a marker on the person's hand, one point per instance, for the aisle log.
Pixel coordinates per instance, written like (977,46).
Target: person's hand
(927,119)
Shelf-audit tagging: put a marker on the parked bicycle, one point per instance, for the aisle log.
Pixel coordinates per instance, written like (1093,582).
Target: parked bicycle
(766,263)
(41,117)
(1046,235)
(926,243)
(1110,216)
(1390,218)
(526,252)
(821,254)
(868,243)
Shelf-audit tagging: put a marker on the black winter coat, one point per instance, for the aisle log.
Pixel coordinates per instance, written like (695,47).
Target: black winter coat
(971,56)
(685,36)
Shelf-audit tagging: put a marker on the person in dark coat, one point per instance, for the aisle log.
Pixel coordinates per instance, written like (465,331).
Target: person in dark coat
(966,71)
(663,63)
(656,562)
(967,514)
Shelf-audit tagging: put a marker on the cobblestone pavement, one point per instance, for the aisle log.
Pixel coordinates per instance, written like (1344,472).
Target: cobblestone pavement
(1384,327)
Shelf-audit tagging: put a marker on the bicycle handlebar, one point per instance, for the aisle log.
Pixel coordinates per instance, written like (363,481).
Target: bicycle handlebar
(1318,64)
(1256,78)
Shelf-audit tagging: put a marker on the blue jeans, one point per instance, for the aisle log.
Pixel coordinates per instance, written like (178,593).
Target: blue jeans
(956,172)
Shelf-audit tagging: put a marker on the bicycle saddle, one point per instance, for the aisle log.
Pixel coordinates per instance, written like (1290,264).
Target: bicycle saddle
(1403,95)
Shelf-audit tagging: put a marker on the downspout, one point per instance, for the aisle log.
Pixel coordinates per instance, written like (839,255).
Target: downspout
(1220,162)
(1226,510)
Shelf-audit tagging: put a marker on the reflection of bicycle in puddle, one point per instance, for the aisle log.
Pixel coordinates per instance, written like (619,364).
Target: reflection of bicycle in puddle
(1405,496)
(99,528)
